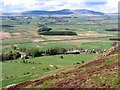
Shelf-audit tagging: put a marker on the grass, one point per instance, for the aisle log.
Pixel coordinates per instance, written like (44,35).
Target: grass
(111,60)
(52,44)
(107,78)
(96,45)
(0,74)
(17,69)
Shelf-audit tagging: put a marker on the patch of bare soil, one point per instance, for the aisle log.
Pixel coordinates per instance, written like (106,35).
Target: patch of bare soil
(17,34)
(58,37)
(94,35)
(37,40)
(45,43)
(4,35)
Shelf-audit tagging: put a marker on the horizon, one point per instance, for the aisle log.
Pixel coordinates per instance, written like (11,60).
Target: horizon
(105,6)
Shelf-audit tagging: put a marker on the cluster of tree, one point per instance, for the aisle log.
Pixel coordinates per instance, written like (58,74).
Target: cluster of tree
(48,31)
(112,29)
(114,39)
(70,33)
(55,51)
(10,56)
(33,52)
(44,29)
(6,26)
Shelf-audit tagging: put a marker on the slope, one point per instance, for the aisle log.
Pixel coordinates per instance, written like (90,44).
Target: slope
(101,72)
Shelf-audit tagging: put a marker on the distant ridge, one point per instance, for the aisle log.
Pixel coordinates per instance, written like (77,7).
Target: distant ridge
(62,12)
(57,12)
(40,12)
(85,11)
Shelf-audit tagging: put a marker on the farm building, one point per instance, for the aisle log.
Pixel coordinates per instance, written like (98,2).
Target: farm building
(73,52)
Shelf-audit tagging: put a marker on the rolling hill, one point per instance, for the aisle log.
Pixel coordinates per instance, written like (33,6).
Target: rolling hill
(101,72)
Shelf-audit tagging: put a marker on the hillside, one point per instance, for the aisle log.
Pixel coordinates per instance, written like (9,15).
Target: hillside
(101,72)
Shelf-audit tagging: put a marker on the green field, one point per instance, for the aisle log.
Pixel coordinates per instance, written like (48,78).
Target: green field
(13,71)
(90,31)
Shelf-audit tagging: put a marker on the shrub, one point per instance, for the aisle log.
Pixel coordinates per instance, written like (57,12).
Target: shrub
(61,57)
(56,67)
(77,62)
(47,69)
(22,49)
(82,61)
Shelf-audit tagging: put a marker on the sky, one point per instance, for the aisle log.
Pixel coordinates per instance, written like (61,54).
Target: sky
(106,6)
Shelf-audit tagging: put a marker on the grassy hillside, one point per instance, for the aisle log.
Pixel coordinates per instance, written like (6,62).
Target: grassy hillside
(101,72)
(16,71)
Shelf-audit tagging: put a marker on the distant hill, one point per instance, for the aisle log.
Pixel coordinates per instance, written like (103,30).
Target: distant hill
(62,12)
(40,12)
(85,11)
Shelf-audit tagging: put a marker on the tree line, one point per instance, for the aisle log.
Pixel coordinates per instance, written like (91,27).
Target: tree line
(33,52)
(48,31)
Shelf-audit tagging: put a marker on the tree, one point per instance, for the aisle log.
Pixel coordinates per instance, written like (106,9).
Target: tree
(61,57)
(14,47)
(10,55)
(44,29)
(22,49)
(62,51)
(32,52)
(55,51)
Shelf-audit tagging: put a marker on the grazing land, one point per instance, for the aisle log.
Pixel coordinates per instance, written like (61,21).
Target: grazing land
(43,66)
(100,72)
(20,35)
(21,32)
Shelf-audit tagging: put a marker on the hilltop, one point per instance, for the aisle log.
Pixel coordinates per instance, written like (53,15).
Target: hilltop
(101,72)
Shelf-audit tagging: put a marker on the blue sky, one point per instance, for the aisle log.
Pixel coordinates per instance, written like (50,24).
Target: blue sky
(107,6)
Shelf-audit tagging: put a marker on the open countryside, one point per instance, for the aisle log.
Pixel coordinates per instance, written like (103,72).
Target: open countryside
(39,47)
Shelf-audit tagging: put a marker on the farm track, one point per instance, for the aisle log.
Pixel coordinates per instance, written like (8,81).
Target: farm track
(77,77)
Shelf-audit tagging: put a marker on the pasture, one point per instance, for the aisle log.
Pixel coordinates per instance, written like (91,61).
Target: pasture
(16,71)
(90,31)
(87,27)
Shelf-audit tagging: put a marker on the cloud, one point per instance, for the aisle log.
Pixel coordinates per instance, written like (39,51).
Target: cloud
(23,5)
